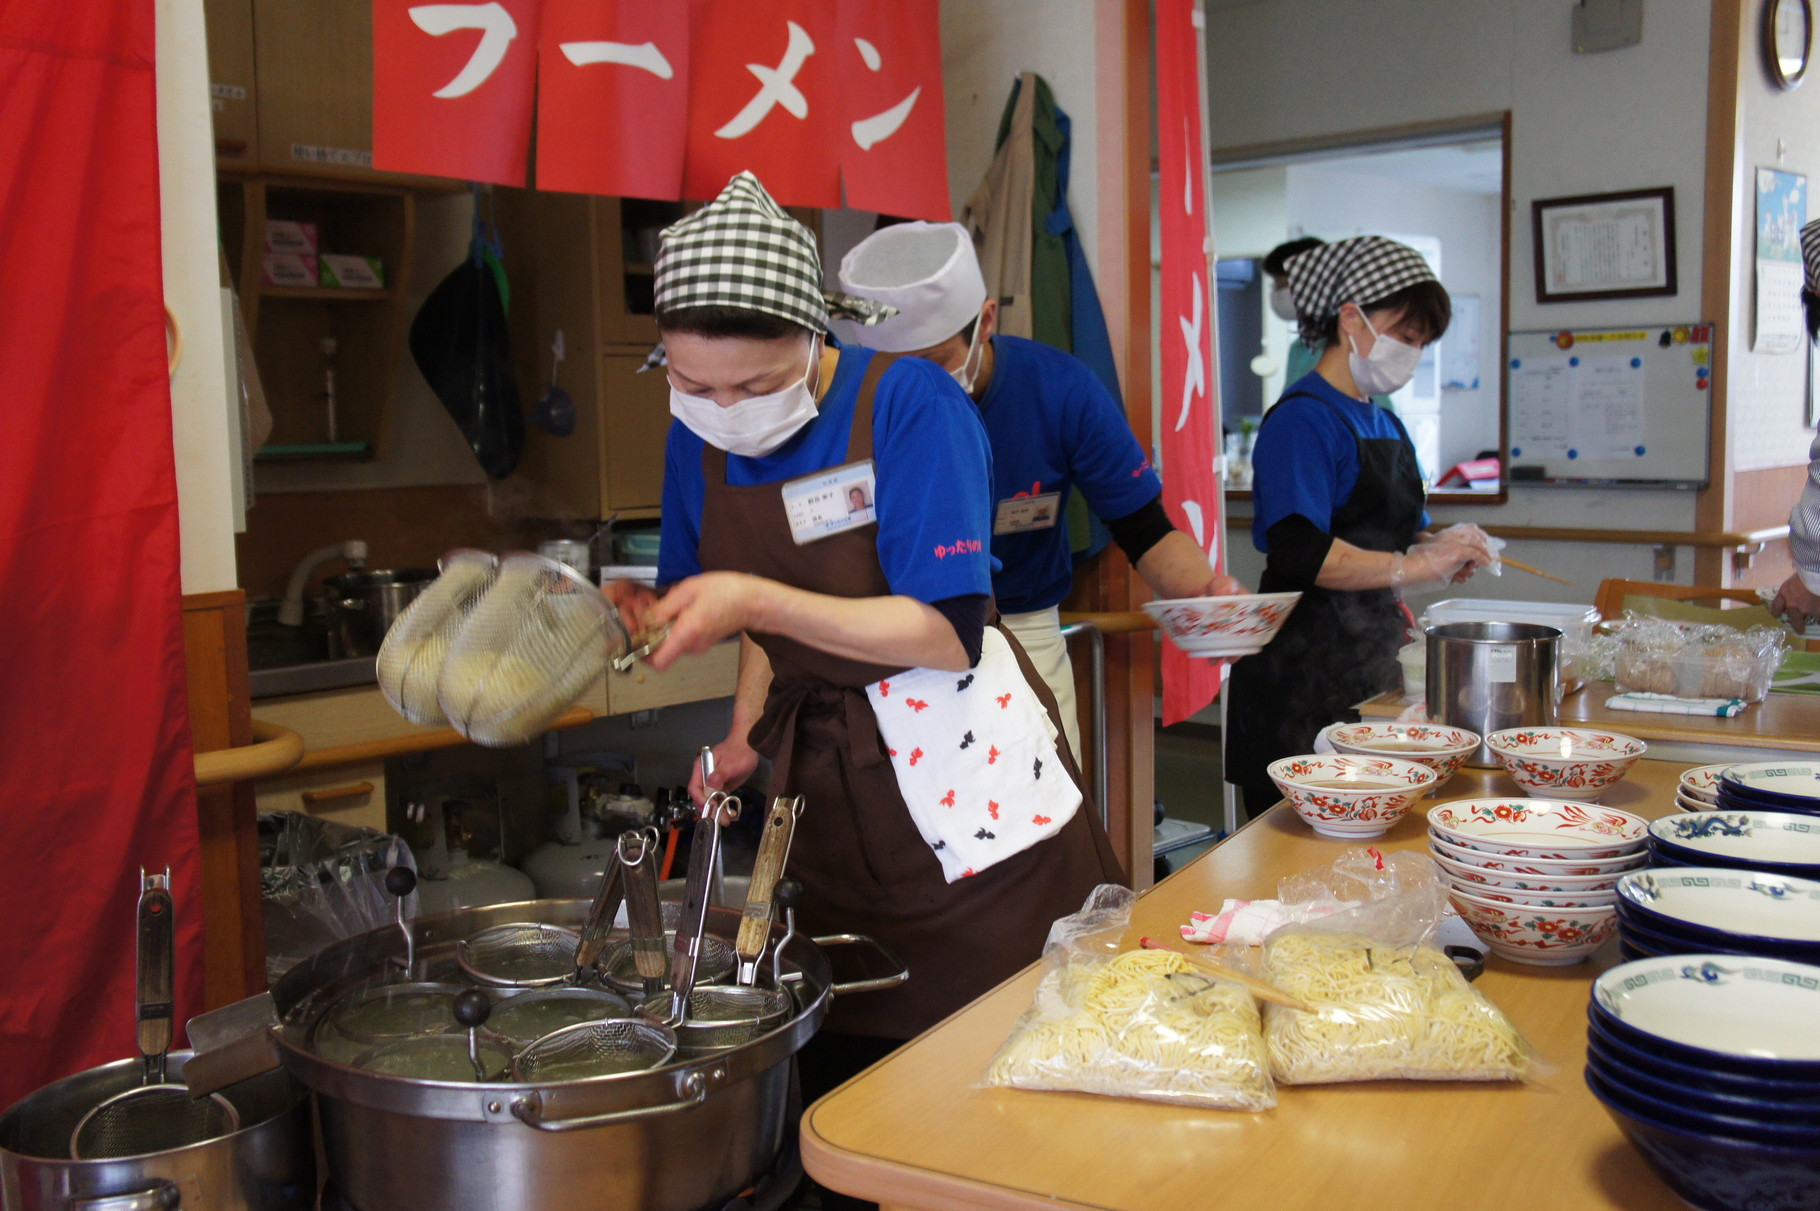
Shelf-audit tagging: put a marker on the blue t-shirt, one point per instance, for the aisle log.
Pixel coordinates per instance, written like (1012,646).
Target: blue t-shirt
(1054,426)
(1306,460)
(931,461)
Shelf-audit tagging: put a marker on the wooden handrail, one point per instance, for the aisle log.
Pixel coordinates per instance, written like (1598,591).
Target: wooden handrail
(274,749)
(1117,622)
(1725,540)
(414,742)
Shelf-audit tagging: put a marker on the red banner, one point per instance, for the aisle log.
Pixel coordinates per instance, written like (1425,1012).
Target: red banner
(94,719)
(612,97)
(453,87)
(763,96)
(893,140)
(1187,395)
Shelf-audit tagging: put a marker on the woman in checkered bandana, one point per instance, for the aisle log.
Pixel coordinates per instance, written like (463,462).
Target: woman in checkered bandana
(832,507)
(1338,506)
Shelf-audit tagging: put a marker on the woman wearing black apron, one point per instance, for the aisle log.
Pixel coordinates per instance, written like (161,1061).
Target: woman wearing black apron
(1338,507)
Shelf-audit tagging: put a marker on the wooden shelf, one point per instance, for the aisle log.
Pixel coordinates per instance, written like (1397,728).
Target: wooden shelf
(326,294)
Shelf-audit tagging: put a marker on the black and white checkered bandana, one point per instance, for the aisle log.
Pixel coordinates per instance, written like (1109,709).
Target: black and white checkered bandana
(1810,254)
(741,250)
(1364,270)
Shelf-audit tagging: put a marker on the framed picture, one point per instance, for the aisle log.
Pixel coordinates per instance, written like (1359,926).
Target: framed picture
(1605,246)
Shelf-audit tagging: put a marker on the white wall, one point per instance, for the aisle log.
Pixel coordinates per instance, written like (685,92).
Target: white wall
(1635,118)
(199,395)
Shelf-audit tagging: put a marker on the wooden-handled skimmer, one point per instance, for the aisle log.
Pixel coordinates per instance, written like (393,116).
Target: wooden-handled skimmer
(767,868)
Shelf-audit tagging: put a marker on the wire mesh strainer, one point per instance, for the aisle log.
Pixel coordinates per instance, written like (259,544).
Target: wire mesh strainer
(410,659)
(595,1049)
(721,1017)
(538,637)
(523,954)
(531,1015)
(386,1013)
(619,966)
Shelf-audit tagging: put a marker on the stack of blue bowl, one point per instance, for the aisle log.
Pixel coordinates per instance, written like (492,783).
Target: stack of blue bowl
(1777,786)
(1774,842)
(1676,910)
(1710,1065)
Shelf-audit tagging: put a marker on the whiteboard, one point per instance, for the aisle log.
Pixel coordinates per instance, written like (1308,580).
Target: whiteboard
(1602,406)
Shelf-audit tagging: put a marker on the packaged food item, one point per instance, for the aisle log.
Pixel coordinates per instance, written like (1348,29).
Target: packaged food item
(1687,660)
(1386,1004)
(1139,1024)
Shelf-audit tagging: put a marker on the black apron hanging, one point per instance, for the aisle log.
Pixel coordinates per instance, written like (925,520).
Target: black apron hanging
(1337,647)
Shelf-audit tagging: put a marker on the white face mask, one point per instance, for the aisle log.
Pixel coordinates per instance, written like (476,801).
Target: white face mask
(756,425)
(969,372)
(1282,304)
(1389,367)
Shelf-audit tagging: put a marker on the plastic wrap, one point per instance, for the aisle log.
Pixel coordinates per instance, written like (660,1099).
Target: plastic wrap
(1387,1004)
(1687,660)
(322,882)
(1140,1024)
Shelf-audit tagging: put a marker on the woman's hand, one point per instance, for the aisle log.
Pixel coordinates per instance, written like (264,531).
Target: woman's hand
(1795,603)
(1448,557)
(703,610)
(633,601)
(734,761)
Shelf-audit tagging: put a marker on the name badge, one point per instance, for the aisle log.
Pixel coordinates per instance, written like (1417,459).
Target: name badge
(1024,513)
(830,502)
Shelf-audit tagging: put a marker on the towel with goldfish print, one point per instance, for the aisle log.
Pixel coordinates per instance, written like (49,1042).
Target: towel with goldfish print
(975,758)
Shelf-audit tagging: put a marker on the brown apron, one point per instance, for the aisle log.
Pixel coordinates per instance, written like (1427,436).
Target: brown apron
(864,866)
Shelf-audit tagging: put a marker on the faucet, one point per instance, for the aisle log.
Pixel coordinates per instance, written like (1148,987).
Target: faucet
(353,552)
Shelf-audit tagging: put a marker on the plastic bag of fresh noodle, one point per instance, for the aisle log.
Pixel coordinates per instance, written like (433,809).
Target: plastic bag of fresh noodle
(1385,1002)
(1141,1023)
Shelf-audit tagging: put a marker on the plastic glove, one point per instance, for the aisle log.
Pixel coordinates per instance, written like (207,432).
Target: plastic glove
(1447,557)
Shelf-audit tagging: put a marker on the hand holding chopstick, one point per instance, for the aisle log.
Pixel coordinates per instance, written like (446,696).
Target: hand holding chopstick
(1257,987)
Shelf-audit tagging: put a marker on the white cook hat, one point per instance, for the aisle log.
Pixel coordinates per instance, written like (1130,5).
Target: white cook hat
(928,271)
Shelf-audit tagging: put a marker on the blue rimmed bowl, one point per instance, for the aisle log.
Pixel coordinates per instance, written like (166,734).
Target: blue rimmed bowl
(1787,785)
(1739,1014)
(1681,1113)
(1765,914)
(1700,1077)
(1646,940)
(1783,843)
(1753,1105)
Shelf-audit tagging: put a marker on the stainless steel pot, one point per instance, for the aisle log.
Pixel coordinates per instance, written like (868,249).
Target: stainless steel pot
(359,607)
(267,1165)
(688,1135)
(1488,676)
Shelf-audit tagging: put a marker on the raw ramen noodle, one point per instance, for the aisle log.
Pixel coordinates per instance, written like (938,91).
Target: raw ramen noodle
(1143,1025)
(1381,1012)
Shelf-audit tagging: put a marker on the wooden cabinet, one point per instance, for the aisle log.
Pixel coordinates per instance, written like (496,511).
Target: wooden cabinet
(233,96)
(348,794)
(302,334)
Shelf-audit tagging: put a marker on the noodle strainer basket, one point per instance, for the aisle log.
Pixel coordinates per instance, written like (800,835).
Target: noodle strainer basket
(410,660)
(522,954)
(593,1049)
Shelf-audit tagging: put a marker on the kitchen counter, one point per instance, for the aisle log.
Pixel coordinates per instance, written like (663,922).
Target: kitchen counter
(1780,724)
(913,1132)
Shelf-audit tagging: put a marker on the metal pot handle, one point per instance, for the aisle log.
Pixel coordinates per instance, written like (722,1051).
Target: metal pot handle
(877,983)
(529,1109)
(165,1196)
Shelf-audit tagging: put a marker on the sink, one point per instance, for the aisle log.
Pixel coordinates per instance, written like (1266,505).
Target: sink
(295,660)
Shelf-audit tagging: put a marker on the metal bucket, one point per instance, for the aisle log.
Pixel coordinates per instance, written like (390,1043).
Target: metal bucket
(1487,676)
(267,1165)
(359,607)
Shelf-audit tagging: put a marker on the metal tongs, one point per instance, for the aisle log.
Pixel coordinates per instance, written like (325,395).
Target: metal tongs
(767,868)
(601,915)
(640,646)
(718,808)
(636,851)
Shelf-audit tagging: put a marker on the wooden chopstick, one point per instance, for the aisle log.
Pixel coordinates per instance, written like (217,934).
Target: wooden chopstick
(1520,566)
(1259,989)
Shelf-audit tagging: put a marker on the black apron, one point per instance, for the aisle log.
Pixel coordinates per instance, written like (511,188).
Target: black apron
(1337,648)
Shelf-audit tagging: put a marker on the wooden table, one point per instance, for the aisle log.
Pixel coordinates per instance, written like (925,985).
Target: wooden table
(1787,723)
(912,1132)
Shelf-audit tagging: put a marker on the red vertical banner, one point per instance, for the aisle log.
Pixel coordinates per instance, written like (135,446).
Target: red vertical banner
(612,97)
(893,136)
(1187,394)
(764,95)
(453,88)
(95,748)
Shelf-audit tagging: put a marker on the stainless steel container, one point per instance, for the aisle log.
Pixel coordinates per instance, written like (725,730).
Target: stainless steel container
(688,1135)
(359,607)
(267,1165)
(1487,676)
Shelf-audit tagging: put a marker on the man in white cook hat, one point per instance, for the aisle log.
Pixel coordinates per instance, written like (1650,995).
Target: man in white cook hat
(1052,426)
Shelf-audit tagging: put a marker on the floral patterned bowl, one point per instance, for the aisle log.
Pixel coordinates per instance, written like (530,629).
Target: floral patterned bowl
(1547,829)
(1442,749)
(1537,899)
(1701,783)
(1345,796)
(1565,762)
(1541,937)
(1222,626)
(1472,878)
(1541,868)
